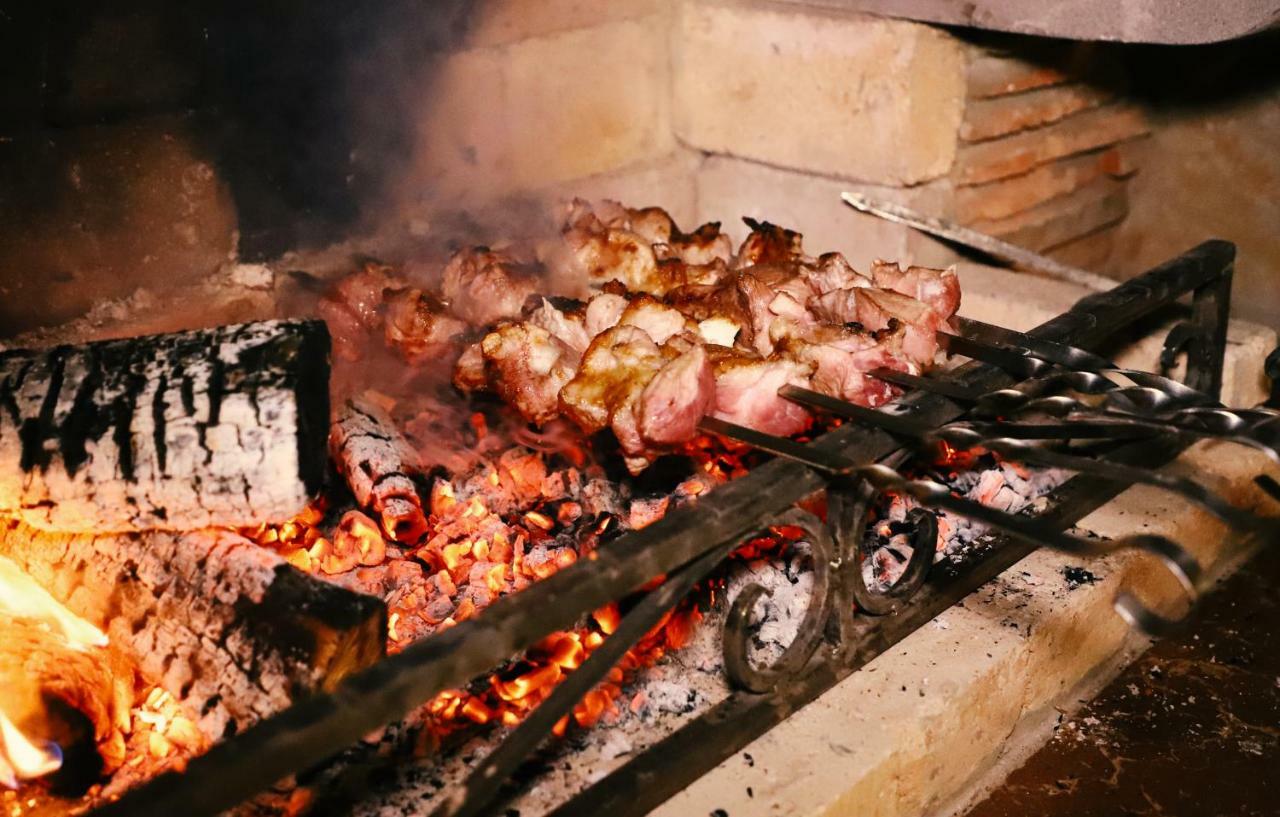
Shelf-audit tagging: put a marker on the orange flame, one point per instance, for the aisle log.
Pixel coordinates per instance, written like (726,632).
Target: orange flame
(22,758)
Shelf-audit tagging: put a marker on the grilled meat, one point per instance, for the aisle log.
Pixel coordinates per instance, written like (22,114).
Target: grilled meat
(644,329)
(483,286)
(418,326)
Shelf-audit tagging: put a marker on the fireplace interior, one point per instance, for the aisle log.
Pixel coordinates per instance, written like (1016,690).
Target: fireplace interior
(381,434)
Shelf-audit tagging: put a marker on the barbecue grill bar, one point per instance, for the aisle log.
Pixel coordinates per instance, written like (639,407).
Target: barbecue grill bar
(314,729)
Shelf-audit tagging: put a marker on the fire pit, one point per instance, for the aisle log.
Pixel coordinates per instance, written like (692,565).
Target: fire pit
(654,619)
(357,463)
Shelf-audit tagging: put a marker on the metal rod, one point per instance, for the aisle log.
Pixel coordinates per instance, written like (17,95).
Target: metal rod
(1072,357)
(1011,254)
(808,455)
(487,779)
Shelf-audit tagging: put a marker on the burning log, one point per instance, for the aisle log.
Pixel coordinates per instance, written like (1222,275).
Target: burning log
(180,431)
(56,693)
(64,696)
(379,465)
(229,628)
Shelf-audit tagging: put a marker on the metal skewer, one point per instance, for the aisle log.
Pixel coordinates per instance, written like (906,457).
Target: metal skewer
(1011,254)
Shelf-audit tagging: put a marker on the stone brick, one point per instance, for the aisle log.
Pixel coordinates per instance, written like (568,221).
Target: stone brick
(729,189)
(1019,153)
(499,22)
(514,118)
(1098,204)
(850,96)
(462,148)
(587,101)
(991,75)
(670,183)
(1006,197)
(988,118)
(92,214)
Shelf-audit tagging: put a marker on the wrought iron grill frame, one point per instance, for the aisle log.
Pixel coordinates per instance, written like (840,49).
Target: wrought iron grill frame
(684,545)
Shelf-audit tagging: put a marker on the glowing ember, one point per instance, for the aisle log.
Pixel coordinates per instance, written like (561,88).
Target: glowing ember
(519,515)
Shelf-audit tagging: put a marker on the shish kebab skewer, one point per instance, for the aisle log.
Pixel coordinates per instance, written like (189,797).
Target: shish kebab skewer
(658,339)
(935,495)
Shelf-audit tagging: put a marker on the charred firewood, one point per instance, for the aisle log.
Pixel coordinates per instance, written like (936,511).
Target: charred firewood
(218,426)
(379,465)
(230,629)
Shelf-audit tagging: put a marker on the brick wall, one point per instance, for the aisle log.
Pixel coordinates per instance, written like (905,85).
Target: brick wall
(714,109)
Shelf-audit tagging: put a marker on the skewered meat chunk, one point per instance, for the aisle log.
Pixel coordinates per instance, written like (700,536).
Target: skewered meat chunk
(483,286)
(418,325)
(568,327)
(648,396)
(938,289)
(659,321)
(747,392)
(677,398)
(603,312)
(528,366)
(469,373)
(841,356)
(678,327)
(653,224)
(705,245)
(880,309)
(353,307)
(832,272)
(641,249)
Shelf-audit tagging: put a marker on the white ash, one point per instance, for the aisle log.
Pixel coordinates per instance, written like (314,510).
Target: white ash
(1006,487)
(687,683)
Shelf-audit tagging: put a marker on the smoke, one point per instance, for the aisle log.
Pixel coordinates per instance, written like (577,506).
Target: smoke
(317,108)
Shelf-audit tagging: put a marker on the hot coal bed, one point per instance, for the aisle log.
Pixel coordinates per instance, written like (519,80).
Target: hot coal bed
(782,566)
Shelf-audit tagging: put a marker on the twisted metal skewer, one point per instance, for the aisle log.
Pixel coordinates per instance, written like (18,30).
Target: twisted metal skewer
(968,438)
(1176,559)
(932,494)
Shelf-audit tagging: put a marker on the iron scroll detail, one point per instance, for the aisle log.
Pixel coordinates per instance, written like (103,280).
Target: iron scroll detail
(838,548)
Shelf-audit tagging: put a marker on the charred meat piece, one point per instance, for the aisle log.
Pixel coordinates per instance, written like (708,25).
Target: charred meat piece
(603,312)
(659,321)
(769,244)
(483,286)
(569,327)
(877,309)
(418,325)
(705,245)
(832,272)
(588,257)
(470,373)
(353,307)
(653,224)
(841,356)
(641,249)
